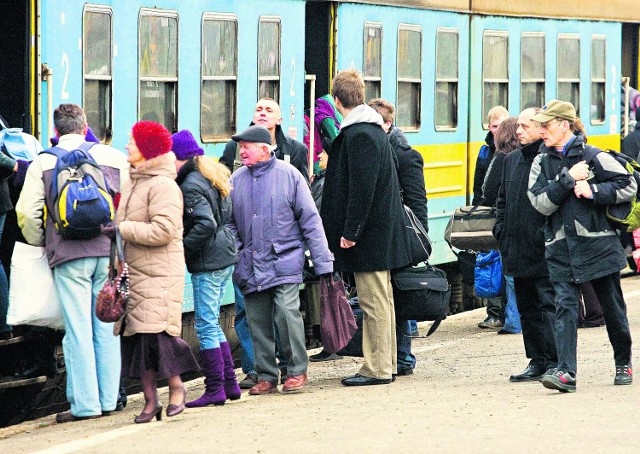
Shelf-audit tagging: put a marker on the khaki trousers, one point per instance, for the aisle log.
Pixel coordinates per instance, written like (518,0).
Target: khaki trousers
(375,297)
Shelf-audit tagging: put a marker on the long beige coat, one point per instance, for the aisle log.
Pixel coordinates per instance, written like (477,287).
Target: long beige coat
(150,221)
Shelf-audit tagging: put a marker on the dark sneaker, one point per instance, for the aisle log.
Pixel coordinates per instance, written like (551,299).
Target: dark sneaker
(324,356)
(491,323)
(249,381)
(624,375)
(562,381)
(402,371)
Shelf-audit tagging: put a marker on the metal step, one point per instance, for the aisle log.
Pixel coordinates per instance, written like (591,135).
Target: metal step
(10,382)
(13,340)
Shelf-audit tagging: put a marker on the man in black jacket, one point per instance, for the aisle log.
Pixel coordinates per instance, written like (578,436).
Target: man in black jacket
(267,114)
(519,231)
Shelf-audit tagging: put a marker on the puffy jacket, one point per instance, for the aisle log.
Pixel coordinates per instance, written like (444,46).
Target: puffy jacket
(150,221)
(208,244)
(273,217)
(580,243)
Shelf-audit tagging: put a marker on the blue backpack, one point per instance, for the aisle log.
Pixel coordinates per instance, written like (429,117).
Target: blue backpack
(80,196)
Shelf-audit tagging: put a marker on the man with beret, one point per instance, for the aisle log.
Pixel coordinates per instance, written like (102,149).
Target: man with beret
(274,216)
(571,182)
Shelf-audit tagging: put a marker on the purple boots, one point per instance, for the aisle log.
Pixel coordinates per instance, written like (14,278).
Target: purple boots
(231,388)
(219,377)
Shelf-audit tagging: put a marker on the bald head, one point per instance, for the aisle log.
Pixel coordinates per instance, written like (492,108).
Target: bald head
(528,131)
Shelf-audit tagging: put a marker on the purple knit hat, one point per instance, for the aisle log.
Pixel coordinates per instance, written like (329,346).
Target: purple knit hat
(185,146)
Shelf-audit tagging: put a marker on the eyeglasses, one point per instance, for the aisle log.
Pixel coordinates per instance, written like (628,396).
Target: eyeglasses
(546,124)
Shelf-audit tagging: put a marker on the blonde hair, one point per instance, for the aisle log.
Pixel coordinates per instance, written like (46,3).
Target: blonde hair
(218,174)
(497,112)
(348,87)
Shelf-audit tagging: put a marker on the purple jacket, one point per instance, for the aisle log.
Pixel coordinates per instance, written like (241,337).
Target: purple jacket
(273,217)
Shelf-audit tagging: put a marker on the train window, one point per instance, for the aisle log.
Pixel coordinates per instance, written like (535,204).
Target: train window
(269,58)
(446,100)
(158,60)
(97,40)
(598,81)
(372,73)
(532,70)
(409,68)
(569,69)
(219,76)
(495,71)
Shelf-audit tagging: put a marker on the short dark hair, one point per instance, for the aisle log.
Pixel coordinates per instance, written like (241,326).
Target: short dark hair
(384,108)
(69,119)
(348,87)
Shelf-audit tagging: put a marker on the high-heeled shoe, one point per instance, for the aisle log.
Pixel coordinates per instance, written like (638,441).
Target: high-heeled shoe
(173,409)
(147,417)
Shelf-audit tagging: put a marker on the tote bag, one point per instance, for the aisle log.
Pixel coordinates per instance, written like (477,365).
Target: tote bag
(337,325)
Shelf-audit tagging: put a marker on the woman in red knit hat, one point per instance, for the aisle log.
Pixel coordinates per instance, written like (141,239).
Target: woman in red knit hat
(150,221)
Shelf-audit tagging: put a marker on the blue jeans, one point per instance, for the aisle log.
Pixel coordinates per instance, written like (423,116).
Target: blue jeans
(4,288)
(91,351)
(208,289)
(244,334)
(512,316)
(406,360)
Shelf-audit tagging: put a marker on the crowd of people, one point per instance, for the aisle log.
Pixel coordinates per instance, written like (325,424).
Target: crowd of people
(250,218)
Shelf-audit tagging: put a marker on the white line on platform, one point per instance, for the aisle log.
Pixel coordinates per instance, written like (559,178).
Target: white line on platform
(86,443)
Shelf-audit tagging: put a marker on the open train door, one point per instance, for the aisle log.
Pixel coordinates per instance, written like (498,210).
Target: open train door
(18,75)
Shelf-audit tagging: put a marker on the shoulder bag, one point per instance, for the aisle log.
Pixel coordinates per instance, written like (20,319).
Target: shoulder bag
(112,299)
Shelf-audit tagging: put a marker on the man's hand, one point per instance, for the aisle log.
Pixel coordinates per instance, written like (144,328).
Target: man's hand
(579,171)
(583,189)
(346,244)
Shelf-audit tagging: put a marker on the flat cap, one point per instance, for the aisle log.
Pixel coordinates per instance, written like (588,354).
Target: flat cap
(255,133)
(555,109)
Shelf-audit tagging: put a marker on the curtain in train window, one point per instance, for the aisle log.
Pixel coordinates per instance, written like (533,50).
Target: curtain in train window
(97,71)
(409,77)
(269,58)
(372,71)
(532,70)
(495,71)
(158,60)
(598,79)
(446,98)
(569,70)
(219,77)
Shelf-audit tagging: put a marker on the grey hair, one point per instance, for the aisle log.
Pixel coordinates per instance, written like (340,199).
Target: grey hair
(69,119)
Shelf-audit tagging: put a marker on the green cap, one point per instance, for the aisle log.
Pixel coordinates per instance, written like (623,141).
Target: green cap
(555,109)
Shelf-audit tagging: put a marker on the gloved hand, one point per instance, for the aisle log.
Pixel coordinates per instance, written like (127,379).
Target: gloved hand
(21,173)
(109,230)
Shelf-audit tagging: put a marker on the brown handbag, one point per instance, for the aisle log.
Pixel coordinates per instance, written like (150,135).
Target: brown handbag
(112,299)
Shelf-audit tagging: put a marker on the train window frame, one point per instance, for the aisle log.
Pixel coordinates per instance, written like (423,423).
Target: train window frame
(231,110)
(456,81)
(278,78)
(409,80)
(169,15)
(600,82)
(533,80)
(369,80)
(503,81)
(565,80)
(103,79)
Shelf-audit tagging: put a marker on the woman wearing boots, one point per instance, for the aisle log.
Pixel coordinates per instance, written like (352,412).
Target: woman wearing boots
(150,221)
(210,253)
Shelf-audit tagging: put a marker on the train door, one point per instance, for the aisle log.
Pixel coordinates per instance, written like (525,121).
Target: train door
(17,50)
(318,46)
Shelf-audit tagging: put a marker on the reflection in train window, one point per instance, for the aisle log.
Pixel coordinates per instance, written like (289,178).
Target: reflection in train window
(495,71)
(409,76)
(569,69)
(532,70)
(598,78)
(269,58)
(372,71)
(446,100)
(97,40)
(158,60)
(219,76)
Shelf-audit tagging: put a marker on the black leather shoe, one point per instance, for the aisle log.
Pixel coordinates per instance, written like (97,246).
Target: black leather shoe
(531,373)
(361,380)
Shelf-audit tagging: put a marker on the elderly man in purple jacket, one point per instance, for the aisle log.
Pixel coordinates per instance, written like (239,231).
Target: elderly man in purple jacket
(274,216)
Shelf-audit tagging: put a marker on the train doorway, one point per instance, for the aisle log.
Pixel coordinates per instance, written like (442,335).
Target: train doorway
(15,77)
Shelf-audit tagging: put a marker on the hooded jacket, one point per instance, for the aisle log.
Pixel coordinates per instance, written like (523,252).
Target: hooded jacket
(485,156)
(580,243)
(361,197)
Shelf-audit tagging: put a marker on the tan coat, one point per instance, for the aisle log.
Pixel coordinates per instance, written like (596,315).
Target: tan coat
(150,221)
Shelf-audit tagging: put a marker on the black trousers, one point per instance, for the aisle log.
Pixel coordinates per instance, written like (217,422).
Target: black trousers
(536,304)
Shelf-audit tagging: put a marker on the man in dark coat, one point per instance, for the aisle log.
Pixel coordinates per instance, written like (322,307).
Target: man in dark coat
(363,218)
(519,231)
(571,183)
(631,144)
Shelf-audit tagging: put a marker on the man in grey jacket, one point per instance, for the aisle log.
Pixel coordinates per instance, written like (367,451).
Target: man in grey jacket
(274,215)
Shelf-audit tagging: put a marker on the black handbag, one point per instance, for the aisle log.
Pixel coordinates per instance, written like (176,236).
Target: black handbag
(421,293)
(419,242)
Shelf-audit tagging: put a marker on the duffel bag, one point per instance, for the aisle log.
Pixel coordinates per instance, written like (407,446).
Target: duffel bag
(471,227)
(421,293)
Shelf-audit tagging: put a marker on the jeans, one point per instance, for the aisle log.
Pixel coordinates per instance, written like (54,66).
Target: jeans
(91,351)
(406,360)
(241,325)
(4,288)
(208,289)
(512,316)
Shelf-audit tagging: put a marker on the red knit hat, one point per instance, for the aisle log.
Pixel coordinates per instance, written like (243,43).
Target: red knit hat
(152,139)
